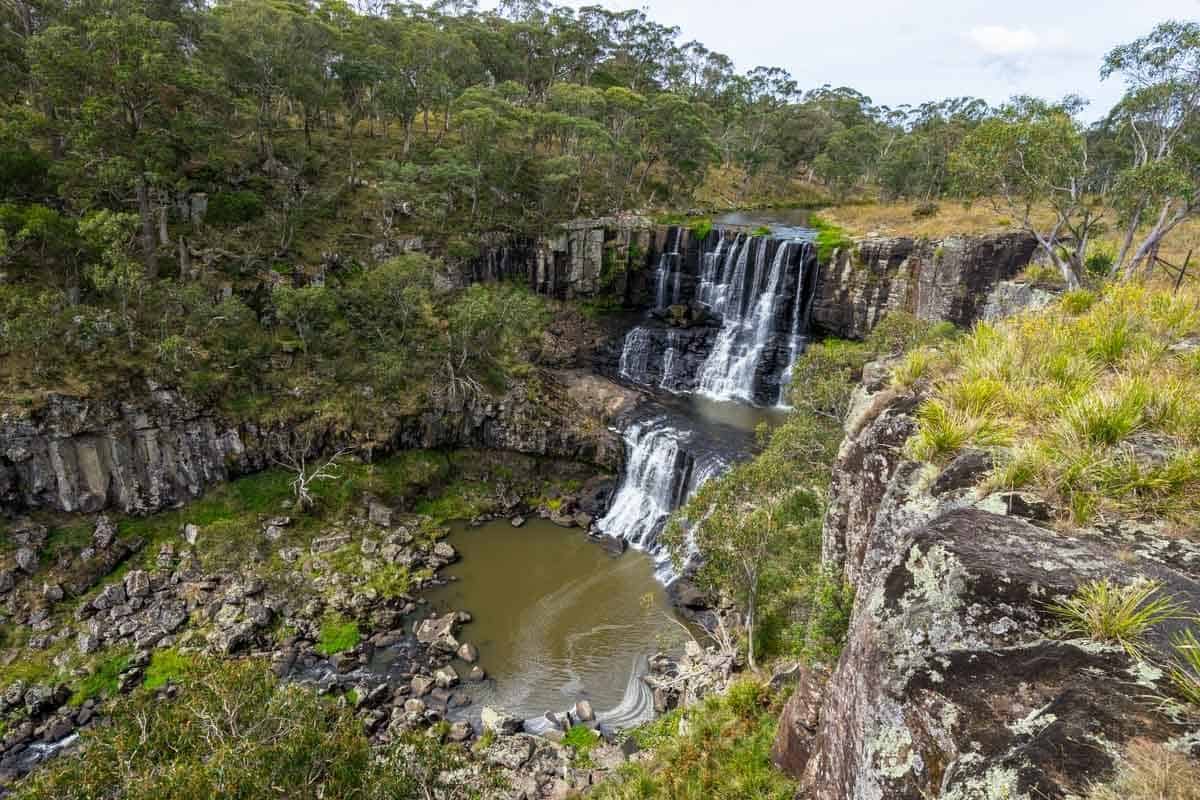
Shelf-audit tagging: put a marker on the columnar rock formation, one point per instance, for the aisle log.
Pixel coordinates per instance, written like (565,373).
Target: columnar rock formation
(160,450)
(934,280)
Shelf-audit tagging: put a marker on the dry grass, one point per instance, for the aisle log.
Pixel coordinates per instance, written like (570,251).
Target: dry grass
(1150,771)
(956,219)
(1090,401)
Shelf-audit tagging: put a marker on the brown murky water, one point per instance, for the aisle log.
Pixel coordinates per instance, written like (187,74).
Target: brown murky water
(556,619)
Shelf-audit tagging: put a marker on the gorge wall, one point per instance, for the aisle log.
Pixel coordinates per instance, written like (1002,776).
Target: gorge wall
(150,453)
(952,682)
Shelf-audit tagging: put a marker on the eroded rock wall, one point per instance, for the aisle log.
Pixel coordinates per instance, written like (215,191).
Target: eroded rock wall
(934,280)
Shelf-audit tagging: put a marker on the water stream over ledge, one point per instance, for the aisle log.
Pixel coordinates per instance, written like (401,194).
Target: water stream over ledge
(556,619)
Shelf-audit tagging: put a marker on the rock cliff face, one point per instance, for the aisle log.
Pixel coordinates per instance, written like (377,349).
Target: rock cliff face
(157,451)
(610,257)
(952,683)
(946,280)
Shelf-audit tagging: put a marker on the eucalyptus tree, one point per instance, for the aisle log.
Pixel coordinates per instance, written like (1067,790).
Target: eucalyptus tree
(125,87)
(1033,155)
(1159,115)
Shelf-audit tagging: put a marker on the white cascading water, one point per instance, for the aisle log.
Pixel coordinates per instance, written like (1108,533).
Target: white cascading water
(798,334)
(635,355)
(729,371)
(708,276)
(668,262)
(653,484)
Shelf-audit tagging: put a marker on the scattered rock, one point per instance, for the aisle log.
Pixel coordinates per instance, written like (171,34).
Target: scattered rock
(468,653)
(517,521)
(584,711)
(500,723)
(446,677)
(510,752)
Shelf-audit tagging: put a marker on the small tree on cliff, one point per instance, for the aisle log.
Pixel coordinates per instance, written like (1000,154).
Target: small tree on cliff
(1029,158)
(736,526)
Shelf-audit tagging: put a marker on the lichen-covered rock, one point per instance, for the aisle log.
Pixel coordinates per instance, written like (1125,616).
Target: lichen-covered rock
(934,280)
(949,687)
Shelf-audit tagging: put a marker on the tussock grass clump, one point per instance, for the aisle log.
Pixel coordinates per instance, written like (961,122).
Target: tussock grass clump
(1094,402)
(1150,771)
(1185,671)
(1108,612)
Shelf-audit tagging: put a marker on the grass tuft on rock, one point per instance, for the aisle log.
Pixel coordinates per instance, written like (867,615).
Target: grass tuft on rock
(338,636)
(1113,614)
(1151,771)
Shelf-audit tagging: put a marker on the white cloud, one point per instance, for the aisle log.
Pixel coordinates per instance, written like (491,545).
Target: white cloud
(998,40)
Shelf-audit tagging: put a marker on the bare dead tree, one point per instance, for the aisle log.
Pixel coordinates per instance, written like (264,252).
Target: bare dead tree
(294,457)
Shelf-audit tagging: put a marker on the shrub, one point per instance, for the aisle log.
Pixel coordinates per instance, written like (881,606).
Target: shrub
(926,210)
(915,366)
(1078,301)
(237,732)
(724,754)
(1110,613)
(338,636)
(226,209)
(1099,262)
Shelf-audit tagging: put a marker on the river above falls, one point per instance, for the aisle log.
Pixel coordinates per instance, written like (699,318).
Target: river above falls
(556,619)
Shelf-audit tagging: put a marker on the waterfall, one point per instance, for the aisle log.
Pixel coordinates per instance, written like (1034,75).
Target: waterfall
(635,355)
(655,482)
(671,359)
(801,314)
(668,262)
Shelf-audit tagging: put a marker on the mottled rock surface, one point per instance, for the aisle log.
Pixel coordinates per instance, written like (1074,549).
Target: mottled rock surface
(952,682)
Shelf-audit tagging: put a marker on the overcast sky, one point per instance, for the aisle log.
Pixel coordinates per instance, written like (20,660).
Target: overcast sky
(907,52)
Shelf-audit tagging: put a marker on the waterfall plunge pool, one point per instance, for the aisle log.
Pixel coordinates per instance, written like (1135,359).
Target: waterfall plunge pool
(556,619)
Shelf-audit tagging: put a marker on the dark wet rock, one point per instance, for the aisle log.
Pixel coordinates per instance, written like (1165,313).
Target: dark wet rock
(935,280)
(798,723)
(965,471)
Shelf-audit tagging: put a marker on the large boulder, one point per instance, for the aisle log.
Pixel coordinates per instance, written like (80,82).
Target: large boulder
(948,685)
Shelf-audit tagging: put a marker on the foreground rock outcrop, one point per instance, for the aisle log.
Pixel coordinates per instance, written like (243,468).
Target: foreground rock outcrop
(952,682)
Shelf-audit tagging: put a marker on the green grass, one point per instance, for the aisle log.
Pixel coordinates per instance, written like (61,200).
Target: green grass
(1107,612)
(829,238)
(581,741)
(103,681)
(338,636)
(1185,669)
(167,666)
(725,753)
(1067,396)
